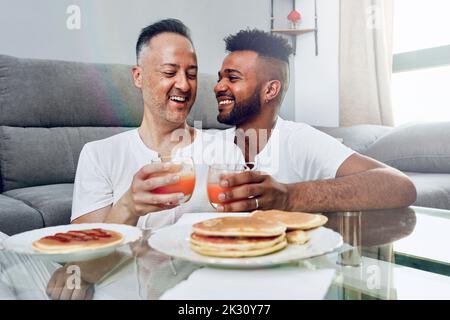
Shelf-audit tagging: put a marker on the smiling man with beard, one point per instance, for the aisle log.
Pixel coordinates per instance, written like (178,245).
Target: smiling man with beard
(298,168)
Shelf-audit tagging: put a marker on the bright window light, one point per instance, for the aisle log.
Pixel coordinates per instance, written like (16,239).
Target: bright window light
(421,95)
(420,24)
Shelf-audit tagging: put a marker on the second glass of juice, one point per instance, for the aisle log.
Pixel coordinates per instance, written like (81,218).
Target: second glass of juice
(213,185)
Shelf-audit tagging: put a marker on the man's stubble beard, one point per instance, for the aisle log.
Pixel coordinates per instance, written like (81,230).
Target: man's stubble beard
(242,111)
(160,109)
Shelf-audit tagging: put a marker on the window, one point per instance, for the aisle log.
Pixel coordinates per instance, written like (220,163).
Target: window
(421,68)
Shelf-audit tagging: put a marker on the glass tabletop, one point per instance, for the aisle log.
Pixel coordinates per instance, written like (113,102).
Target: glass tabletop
(387,254)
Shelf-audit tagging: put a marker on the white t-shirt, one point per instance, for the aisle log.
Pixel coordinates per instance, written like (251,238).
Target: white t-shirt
(106,169)
(296,152)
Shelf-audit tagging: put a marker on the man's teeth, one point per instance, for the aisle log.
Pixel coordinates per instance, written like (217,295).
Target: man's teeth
(225,102)
(178,99)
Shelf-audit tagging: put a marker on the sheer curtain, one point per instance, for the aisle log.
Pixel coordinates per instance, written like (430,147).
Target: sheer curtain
(365,62)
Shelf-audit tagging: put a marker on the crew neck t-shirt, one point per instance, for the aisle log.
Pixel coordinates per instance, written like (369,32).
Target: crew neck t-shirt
(296,152)
(106,168)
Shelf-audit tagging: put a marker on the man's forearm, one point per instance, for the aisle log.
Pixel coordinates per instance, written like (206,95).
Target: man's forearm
(121,213)
(372,189)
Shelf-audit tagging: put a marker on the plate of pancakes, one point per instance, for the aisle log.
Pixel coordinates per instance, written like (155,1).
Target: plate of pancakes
(259,239)
(74,242)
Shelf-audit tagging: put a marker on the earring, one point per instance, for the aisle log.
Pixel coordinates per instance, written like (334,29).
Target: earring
(266,101)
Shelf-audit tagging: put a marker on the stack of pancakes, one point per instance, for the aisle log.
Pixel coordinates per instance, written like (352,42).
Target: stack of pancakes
(235,237)
(295,222)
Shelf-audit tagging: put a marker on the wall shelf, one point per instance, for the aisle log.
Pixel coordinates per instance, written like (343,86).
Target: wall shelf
(293,33)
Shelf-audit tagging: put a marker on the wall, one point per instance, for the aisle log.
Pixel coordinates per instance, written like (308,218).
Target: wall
(317,78)
(109,29)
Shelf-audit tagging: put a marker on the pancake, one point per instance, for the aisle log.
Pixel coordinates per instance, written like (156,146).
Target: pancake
(297,237)
(234,243)
(77,240)
(292,220)
(238,253)
(239,227)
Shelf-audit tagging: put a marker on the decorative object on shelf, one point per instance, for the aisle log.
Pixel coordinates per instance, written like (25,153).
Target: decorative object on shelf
(294,17)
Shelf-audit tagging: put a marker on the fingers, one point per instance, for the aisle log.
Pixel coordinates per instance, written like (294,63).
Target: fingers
(57,288)
(242,192)
(242,205)
(149,199)
(86,292)
(153,168)
(155,182)
(60,281)
(247,177)
(66,293)
(52,283)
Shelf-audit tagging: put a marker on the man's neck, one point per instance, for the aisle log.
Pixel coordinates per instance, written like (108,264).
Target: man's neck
(260,126)
(162,136)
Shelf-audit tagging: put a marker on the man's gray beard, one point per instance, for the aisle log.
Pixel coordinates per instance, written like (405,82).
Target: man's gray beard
(242,111)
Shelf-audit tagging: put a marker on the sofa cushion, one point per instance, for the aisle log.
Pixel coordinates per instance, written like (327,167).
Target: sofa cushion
(40,156)
(54,202)
(433,190)
(415,147)
(358,137)
(50,93)
(16,216)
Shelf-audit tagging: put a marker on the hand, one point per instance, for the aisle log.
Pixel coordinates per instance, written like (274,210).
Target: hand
(139,198)
(64,286)
(246,187)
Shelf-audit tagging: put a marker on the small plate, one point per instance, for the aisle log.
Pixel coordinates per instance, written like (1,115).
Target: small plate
(22,243)
(174,241)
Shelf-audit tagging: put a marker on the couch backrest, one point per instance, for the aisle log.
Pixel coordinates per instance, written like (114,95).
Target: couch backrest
(358,137)
(50,109)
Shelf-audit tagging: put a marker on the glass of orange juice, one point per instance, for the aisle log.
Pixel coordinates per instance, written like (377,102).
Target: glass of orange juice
(186,184)
(213,186)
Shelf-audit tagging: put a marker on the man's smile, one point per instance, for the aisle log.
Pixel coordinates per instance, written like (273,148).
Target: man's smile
(225,102)
(179,100)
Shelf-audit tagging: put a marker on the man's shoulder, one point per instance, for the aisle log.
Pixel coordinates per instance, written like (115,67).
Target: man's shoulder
(303,134)
(289,128)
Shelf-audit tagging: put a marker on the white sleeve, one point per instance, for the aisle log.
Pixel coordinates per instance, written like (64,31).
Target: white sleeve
(92,188)
(316,155)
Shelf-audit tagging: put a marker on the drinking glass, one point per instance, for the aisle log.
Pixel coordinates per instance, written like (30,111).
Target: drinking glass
(186,184)
(214,173)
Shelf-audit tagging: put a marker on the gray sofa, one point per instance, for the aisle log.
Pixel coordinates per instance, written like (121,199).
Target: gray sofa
(50,109)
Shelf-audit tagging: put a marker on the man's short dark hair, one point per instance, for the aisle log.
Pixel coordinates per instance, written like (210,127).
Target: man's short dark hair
(264,43)
(166,25)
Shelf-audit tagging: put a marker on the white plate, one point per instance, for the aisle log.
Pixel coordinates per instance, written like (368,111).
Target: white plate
(22,243)
(174,241)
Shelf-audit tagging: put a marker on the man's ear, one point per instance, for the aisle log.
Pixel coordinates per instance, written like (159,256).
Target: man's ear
(272,90)
(136,73)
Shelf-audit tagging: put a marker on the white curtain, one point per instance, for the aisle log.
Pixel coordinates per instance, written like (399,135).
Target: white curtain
(365,62)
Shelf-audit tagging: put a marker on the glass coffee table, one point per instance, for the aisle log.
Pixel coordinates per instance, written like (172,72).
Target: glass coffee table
(387,254)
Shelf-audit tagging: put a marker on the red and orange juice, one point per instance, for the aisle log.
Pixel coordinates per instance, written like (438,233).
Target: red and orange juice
(185,185)
(213,193)
(184,167)
(215,172)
